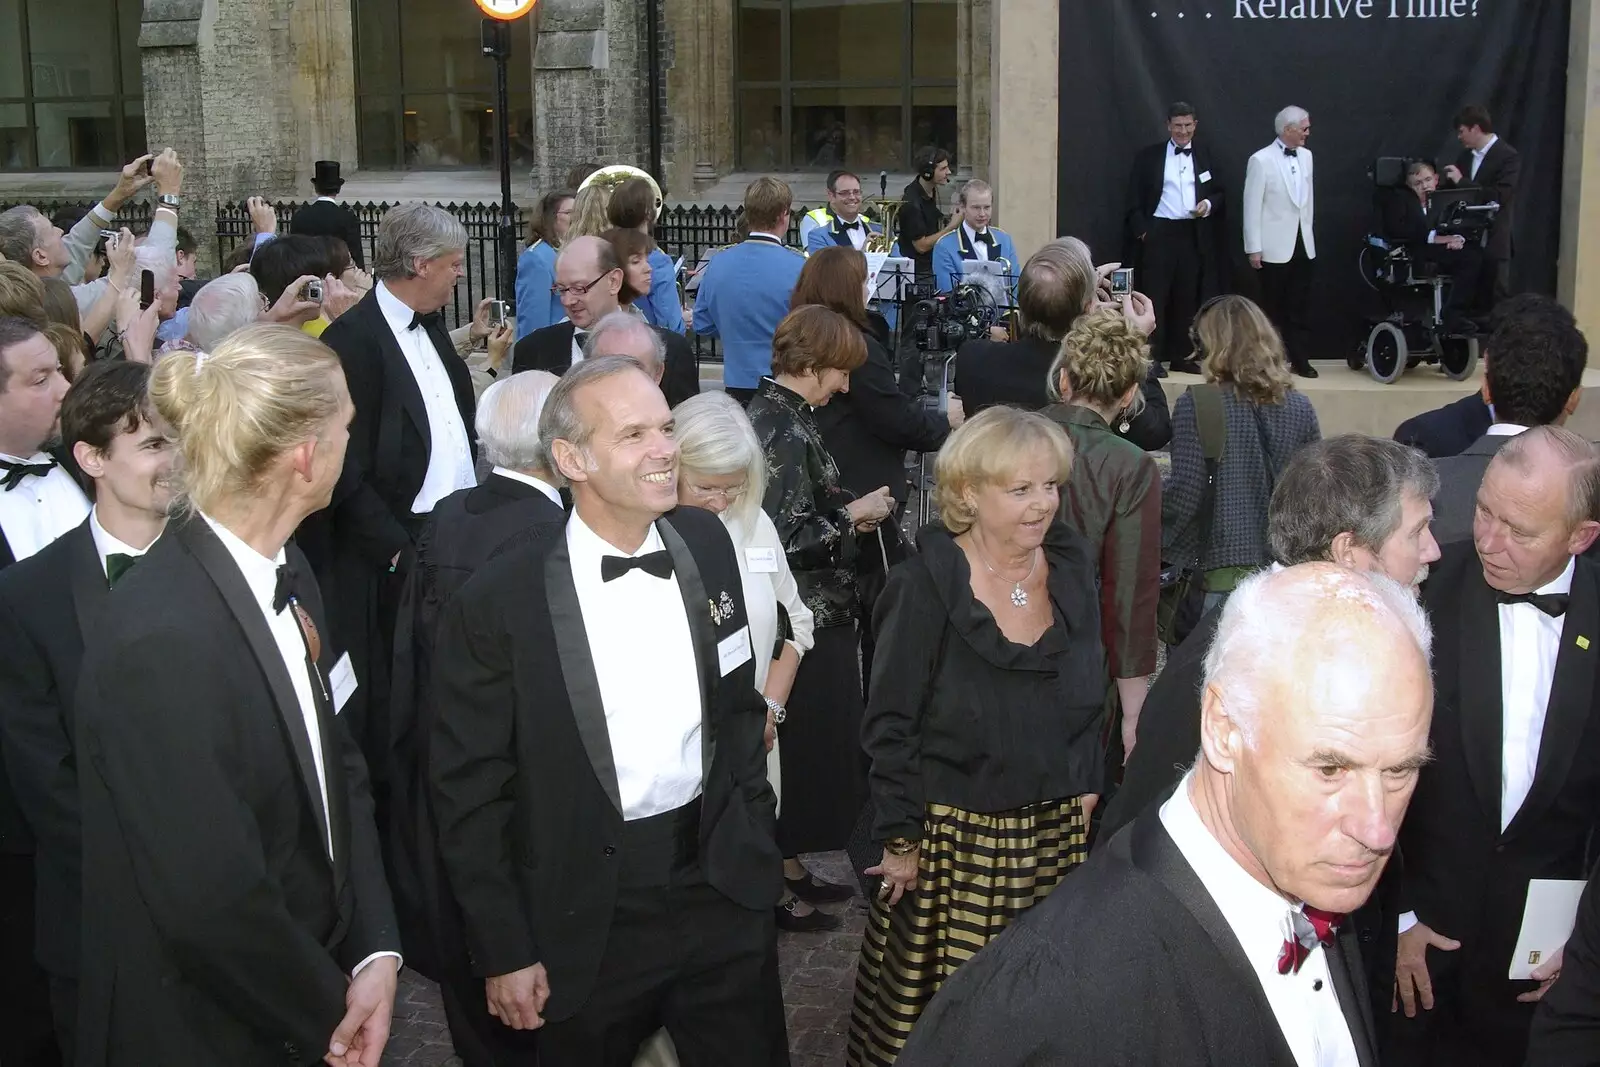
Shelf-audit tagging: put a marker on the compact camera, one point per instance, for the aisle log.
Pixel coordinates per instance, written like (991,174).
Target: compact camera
(499,313)
(312,291)
(1121,281)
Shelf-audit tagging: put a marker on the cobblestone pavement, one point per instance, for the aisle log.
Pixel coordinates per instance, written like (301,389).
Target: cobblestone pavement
(818,972)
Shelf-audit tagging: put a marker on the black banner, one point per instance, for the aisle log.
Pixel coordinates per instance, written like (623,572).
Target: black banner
(1379,77)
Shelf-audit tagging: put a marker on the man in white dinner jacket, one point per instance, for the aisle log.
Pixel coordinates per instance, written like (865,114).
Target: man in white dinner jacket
(1278,232)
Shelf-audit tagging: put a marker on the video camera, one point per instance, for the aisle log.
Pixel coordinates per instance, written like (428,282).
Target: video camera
(944,322)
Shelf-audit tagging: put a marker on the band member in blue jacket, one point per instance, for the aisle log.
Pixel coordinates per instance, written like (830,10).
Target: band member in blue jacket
(973,239)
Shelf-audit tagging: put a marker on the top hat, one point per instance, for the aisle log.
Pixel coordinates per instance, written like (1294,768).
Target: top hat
(327,173)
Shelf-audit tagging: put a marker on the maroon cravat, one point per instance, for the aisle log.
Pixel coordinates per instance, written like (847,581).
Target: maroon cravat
(1312,928)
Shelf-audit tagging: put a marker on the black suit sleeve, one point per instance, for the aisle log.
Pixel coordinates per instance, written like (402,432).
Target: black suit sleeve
(1566,1025)
(33,738)
(890,415)
(192,841)
(363,516)
(681,377)
(352,239)
(1137,216)
(1151,429)
(909,623)
(472,773)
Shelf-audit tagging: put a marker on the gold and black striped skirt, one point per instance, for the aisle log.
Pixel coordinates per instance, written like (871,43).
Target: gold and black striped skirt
(976,874)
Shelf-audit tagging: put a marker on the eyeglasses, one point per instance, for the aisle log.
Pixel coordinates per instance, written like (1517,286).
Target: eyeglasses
(850,194)
(578,290)
(728,496)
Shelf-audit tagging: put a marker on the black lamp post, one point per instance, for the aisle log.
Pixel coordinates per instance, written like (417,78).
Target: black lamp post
(497,46)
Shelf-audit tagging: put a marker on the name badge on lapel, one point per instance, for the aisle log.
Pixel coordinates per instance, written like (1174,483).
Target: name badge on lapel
(733,651)
(342,680)
(1205,176)
(761,560)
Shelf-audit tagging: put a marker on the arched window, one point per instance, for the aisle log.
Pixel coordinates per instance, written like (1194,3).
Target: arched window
(71,84)
(844,83)
(425,90)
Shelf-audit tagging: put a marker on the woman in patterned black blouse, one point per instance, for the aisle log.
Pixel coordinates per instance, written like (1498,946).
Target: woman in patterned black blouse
(813,352)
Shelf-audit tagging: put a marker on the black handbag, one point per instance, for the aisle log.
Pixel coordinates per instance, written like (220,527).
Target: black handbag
(1183,585)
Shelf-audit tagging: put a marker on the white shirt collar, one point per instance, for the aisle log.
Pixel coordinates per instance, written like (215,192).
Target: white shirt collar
(260,573)
(1481,152)
(1504,429)
(326,200)
(972,235)
(586,547)
(107,543)
(1561,583)
(527,479)
(396,312)
(778,237)
(1281,146)
(37,457)
(1258,916)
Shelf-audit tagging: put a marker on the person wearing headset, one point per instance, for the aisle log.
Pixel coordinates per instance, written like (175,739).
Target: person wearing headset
(922,221)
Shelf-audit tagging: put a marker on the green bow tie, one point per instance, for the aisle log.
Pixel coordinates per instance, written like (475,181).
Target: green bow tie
(118,564)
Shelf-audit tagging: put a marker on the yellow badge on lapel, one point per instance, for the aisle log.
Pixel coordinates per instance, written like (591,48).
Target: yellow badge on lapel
(1583,642)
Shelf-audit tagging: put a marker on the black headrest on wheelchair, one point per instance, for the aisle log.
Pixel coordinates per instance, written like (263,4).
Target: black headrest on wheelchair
(1389,172)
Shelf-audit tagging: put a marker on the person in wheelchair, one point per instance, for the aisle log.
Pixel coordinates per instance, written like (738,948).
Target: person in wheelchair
(1411,219)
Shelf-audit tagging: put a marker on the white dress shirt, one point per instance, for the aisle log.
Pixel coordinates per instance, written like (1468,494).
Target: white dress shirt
(1177,185)
(449,451)
(40,509)
(1479,153)
(643,652)
(1293,173)
(857,233)
(1303,1003)
(540,484)
(261,575)
(106,543)
(1504,429)
(1529,642)
(979,248)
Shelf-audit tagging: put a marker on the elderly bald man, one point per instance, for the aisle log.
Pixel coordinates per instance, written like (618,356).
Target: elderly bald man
(519,499)
(1212,930)
(588,281)
(666,355)
(1514,794)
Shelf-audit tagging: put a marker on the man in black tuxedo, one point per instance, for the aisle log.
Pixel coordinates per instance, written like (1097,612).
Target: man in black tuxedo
(590,279)
(519,499)
(1172,197)
(1223,915)
(49,604)
(1513,792)
(1354,500)
(1495,167)
(240,913)
(665,356)
(1058,283)
(1532,376)
(325,216)
(598,758)
(411,445)
(40,500)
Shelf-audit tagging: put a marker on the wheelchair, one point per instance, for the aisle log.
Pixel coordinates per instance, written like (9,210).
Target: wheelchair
(1414,327)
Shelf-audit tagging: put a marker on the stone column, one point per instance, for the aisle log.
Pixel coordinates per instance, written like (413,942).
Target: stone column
(1026,78)
(701,107)
(324,86)
(1578,268)
(218,87)
(590,84)
(973,88)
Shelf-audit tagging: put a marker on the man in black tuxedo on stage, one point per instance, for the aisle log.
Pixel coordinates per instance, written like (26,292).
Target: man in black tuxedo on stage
(1172,196)
(598,758)
(519,499)
(1215,930)
(239,911)
(49,608)
(411,445)
(1495,167)
(325,216)
(589,279)
(1513,792)
(40,500)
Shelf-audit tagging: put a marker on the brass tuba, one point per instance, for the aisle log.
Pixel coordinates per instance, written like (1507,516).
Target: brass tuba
(887,211)
(610,178)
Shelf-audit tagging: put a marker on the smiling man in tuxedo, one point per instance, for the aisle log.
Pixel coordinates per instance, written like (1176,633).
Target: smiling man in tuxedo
(1279,236)
(48,606)
(1513,793)
(1226,909)
(598,760)
(1172,193)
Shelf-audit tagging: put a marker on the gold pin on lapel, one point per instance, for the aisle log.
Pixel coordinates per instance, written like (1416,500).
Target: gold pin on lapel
(1583,642)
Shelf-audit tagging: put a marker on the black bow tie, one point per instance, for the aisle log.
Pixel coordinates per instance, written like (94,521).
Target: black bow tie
(986,237)
(1291,152)
(656,563)
(1552,604)
(856,225)
(1187,150)
(117,565)
(432,318)
(288,588)
(15,472)
(579,335)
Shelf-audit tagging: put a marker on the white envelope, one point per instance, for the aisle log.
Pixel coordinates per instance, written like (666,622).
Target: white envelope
(1547,921)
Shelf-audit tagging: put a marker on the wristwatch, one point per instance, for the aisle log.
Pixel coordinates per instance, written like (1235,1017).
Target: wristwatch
(779,713)
(901,846)
(169,200)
